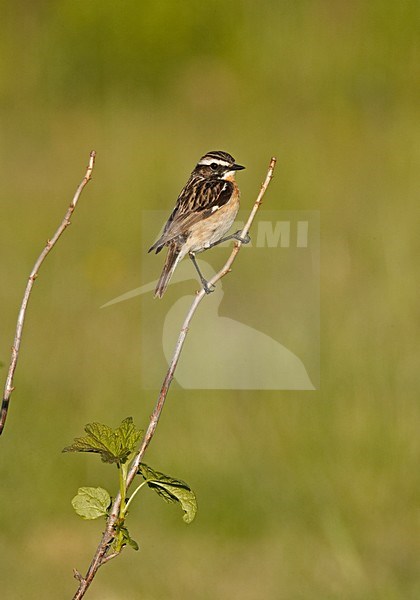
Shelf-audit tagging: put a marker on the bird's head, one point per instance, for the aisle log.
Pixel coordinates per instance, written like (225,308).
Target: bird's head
(217,165)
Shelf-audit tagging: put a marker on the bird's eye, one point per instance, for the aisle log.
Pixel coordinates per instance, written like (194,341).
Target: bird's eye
(214,166)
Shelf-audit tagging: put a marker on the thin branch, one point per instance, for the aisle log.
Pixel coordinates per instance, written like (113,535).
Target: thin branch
(101,556)
(8,388)
(108,557)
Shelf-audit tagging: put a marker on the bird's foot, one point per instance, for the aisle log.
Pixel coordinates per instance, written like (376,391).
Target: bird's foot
(235,236)
(208,287)
(244,240)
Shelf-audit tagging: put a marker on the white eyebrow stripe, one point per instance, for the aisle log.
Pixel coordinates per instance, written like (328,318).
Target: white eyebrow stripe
(218,161)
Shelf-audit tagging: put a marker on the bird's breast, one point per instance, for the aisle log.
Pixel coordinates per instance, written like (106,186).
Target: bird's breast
(210,230)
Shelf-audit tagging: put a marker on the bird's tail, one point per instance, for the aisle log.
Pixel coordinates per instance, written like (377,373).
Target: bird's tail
(172,259)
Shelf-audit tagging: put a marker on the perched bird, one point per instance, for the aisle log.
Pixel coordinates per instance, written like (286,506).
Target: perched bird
(203,214)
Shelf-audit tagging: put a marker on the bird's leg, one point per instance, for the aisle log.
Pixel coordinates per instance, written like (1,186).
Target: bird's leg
(234,236)
(206,286)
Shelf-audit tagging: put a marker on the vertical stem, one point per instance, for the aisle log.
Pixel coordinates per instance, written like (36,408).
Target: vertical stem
(8,388)
(123,486)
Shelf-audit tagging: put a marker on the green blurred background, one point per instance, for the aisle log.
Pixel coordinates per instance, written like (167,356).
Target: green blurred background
(311,495)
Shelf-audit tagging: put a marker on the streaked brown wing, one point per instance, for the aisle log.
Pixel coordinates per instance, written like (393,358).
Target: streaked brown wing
(198,200)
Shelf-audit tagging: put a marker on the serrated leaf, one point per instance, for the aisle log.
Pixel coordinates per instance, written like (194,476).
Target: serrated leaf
(171,490)
(113,445)
(91,503)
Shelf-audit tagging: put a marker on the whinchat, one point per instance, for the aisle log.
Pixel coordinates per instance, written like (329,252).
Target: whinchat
(204,212)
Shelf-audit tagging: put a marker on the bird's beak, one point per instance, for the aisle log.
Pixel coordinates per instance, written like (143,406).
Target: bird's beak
(237,167)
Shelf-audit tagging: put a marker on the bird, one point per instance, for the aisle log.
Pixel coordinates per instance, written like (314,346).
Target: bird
(204,212)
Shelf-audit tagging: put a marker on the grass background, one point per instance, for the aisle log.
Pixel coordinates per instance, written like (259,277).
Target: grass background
(301,495)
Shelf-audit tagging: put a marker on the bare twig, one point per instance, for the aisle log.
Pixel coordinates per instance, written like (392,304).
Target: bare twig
(8,388)
(101,556)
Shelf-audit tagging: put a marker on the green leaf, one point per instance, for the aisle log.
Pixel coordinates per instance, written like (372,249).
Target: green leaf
(91,503)
(171,490)
(114,445)
(122,538)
